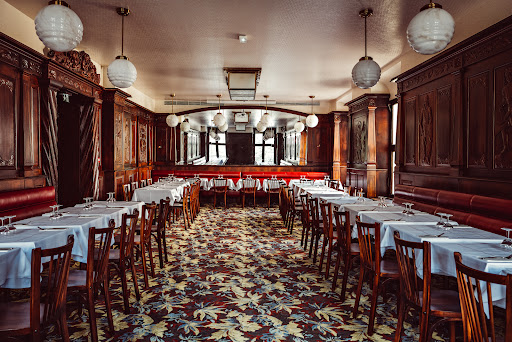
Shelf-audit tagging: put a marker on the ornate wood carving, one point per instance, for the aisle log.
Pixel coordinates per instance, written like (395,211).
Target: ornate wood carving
(444,125)
(79,62)
(433,73)
(503,122)
(127,144)
(360,140)
(9,56)
(477,117)
(426,132)
(118,138)
(410,130)
(488,49)
(71,82)
(7,83)
(143,143)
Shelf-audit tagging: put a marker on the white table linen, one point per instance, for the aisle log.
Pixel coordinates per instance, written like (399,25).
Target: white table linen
(131,205)
(265,184)
(115,214)
(160,190)
(231,184)
(239,184)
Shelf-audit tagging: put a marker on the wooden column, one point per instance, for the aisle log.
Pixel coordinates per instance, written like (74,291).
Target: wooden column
(303,147)
(336,155)
(371,166)
(340,146)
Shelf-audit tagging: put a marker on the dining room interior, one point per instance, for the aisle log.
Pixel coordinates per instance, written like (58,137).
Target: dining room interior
(269,170)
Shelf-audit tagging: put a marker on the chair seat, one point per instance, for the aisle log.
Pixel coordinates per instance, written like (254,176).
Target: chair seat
(136,239)
(16,316)
(114,254)
(354,248)
(77,278)
(389,268)
(443,303)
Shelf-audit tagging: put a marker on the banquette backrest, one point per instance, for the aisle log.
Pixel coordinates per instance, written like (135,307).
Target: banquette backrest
(234,175)
(27,202)
(483,212)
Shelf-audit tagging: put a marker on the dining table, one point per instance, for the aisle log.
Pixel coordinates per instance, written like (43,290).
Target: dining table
(160,190)
(231,184)
(265,184)
(239,184)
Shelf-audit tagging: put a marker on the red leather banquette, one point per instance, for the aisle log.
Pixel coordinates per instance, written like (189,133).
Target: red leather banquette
(486,213)
(27,203)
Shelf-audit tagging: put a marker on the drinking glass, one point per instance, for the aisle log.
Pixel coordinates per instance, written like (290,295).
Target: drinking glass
(360,195)
(507,243)
(447,225)
(408,209)
(111,197)
(441,216)
(10,226)
(3,229)
(382,202)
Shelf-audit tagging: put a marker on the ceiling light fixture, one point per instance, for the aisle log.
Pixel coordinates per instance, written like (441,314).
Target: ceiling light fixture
(299,126)
(242,82)
(121,72)
(172,120)
(265,119)
(366,73)
(219,119)
(431,30)
(261,127)
(224,127)
(242,38)
(312,119)
(58,27)
(185,126)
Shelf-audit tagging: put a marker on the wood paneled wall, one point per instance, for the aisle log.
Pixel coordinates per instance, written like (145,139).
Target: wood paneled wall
(455,117)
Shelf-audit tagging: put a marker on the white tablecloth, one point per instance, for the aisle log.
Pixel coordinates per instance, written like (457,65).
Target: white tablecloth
(265,184)
(239,185)
(204,183)
(160,190)
(231,184)
(15,266)
(78,226)
(115,214)
(368,206)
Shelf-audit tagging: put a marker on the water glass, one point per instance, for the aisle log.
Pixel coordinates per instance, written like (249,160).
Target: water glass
(441,216)
(507,243)
(111,197)
(360,195)
(447,225)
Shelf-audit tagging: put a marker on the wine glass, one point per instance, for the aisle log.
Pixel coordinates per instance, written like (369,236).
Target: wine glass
(10,226)
(441,216)
(360,195)
(382,202)
(447,225)
(3,229)
(408,209)
(507,243)
(111,197)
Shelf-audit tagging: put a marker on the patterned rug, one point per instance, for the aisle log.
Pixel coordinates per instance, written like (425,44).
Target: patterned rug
(236,275)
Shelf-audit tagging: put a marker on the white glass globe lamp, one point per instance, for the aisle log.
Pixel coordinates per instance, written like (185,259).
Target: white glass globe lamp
(58,27)
(121,72)
(172,120)
(219,119)
(265,119)
(212,134)
(299,126)
(185,126)
(431,30)
(366,73)
(224,127)
(261,127)
(312,120)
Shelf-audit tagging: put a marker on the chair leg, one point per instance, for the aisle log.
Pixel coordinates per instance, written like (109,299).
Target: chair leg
(92,315)
(144,270)
(348,264)
(254,199)
(373,308)
(124,286)
(315,251)
(243,200)
(160,251)
(225,201)
(63,327)
(322,255)
(362,272)
(214,199)
(135,282)
(402,311)
(336,271)
(164,242)
(108,305)
(329,255)
(151,263)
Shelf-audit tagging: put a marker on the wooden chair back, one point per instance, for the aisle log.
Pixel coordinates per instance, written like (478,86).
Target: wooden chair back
(149,181)
(273,185)
(283,200)
(128,223)
(146,222)
(143,183)
(305,209)
(326,210)
(249,185)
(135,185)
(342,225)
(475,293)
(220,185)
(53,302)
(369,245)
(98,251)
(126,192)
(412,286)
(163,212)
(314,212)
(334,184)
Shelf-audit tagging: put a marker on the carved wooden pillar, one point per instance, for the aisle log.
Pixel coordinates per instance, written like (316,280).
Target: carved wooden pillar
(336,148)
(303,147)
(371,165)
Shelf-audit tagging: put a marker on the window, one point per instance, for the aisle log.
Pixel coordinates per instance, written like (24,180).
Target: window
(217,148)
(292,146)
(394,124)
(264,151)
(193,147)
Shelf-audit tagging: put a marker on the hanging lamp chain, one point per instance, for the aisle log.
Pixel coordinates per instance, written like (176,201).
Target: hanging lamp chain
(122,35)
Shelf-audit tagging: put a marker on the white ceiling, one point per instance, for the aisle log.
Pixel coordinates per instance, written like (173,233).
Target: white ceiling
(304,47)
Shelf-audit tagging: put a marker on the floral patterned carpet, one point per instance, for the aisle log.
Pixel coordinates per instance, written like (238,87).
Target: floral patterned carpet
(236,275)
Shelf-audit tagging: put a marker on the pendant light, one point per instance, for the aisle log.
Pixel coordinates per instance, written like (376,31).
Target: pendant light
(366,73)
(224,127)
(185,126)
(171,119)
(219,119)
(299,126)
(431,30)
(121,72)
(312,119)
(261,127)
(265,119)
(58,27)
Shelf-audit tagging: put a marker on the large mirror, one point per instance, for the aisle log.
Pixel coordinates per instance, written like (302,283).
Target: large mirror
(242,143)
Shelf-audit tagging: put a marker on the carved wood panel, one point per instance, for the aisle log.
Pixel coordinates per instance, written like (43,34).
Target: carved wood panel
(133,141)
(425,129)
(359,139)
(477,118)
(444,125)
(8,94)
(118,136)
(31,101)
(503,117)
(143,142)
(126,139)
(410,131)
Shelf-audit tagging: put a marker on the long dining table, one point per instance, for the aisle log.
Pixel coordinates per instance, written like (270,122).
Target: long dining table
(160,190)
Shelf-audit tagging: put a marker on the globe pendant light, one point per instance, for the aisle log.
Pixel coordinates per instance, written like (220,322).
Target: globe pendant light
(299,126)
(312,119)
(185,126)
(224,127)
(172,120)
(431,30)
(265,119)
(121,72)
(366,73)
(219,119)
(261,127)
(58,27)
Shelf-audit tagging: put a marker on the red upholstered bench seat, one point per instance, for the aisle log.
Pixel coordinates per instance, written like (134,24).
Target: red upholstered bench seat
(27,203)
(483,212)
(235,176)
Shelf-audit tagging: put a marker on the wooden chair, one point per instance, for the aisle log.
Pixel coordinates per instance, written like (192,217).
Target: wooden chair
(142,242)
(330,236)
(179,208)
(306,221)
(135,185)
(87,283)
(122,258)
(334,184)
(273,188)
(346,249)
(371,263)
(47,304)
(283,202)
(475,293)
(158,230)
(127,195)
(317,227)
(220,186)
(432,304)
(248,188)
(193,202)
(143,183)
(294,210)
(149,181)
